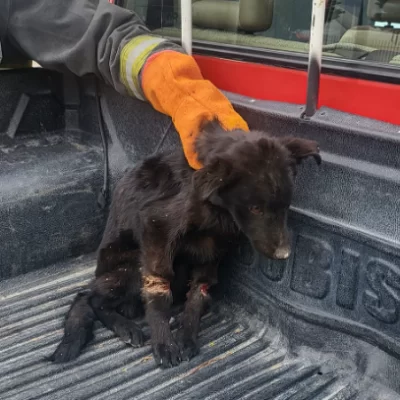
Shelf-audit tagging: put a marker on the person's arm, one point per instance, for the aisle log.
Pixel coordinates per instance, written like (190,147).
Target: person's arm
(94,36)
(81,36)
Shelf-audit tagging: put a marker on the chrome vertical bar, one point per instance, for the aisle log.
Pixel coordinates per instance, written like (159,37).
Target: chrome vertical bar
(315,56)
(186,18)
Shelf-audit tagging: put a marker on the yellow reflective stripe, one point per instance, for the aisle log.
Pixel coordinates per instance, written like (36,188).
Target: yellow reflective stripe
(122,67)
(126,75)
(143,52)
(132,59)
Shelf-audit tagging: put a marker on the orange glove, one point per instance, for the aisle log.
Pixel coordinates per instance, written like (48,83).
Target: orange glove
(173,84)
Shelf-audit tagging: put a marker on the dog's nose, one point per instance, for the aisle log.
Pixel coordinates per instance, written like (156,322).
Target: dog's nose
(282,253)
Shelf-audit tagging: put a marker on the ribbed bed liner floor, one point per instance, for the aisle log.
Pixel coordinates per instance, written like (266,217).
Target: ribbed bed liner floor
(237,360)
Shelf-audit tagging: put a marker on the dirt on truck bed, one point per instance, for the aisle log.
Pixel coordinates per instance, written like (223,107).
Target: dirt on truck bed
(240,357)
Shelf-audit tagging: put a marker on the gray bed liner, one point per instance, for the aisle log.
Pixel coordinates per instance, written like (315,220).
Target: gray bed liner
(240,357)
(323,325)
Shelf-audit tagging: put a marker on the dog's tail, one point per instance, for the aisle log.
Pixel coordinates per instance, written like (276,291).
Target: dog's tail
(78,330)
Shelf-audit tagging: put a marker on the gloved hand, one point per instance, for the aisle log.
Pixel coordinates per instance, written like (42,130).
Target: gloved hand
(173,84)
(153,69)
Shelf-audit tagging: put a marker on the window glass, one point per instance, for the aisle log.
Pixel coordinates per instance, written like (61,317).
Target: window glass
(354,29)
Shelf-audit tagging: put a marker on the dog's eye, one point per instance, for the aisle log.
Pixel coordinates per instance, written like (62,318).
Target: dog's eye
(255,210)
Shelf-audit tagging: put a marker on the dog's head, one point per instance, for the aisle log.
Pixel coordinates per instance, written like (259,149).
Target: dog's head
(251,176)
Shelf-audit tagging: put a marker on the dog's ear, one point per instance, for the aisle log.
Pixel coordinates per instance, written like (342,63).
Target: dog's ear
(211,178)
(302,148)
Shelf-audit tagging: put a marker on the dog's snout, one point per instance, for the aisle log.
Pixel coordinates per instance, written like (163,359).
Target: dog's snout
(282,253)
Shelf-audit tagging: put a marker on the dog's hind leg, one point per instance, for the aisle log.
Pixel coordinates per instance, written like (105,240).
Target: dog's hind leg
(119,291)
(78,330)
(198,298)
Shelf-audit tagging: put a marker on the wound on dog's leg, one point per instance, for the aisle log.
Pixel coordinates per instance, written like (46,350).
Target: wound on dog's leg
(204,289)
(156,285)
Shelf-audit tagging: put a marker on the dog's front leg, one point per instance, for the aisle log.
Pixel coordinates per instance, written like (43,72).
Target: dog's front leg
(158,300)
(198,299)
(157,274)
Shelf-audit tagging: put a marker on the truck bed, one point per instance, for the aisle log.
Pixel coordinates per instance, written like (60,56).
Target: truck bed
(240,357)
(323,325)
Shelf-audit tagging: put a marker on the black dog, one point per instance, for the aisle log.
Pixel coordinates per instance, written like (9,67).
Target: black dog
(168,228)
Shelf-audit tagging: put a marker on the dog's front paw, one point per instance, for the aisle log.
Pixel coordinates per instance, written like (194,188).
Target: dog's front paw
(188,347)
(130,333)
(166,355)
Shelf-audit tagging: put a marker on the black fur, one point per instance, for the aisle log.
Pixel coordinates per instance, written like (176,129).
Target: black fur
(171,222)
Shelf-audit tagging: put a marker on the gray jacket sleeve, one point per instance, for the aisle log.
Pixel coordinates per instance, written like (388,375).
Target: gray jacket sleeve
(80,36)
